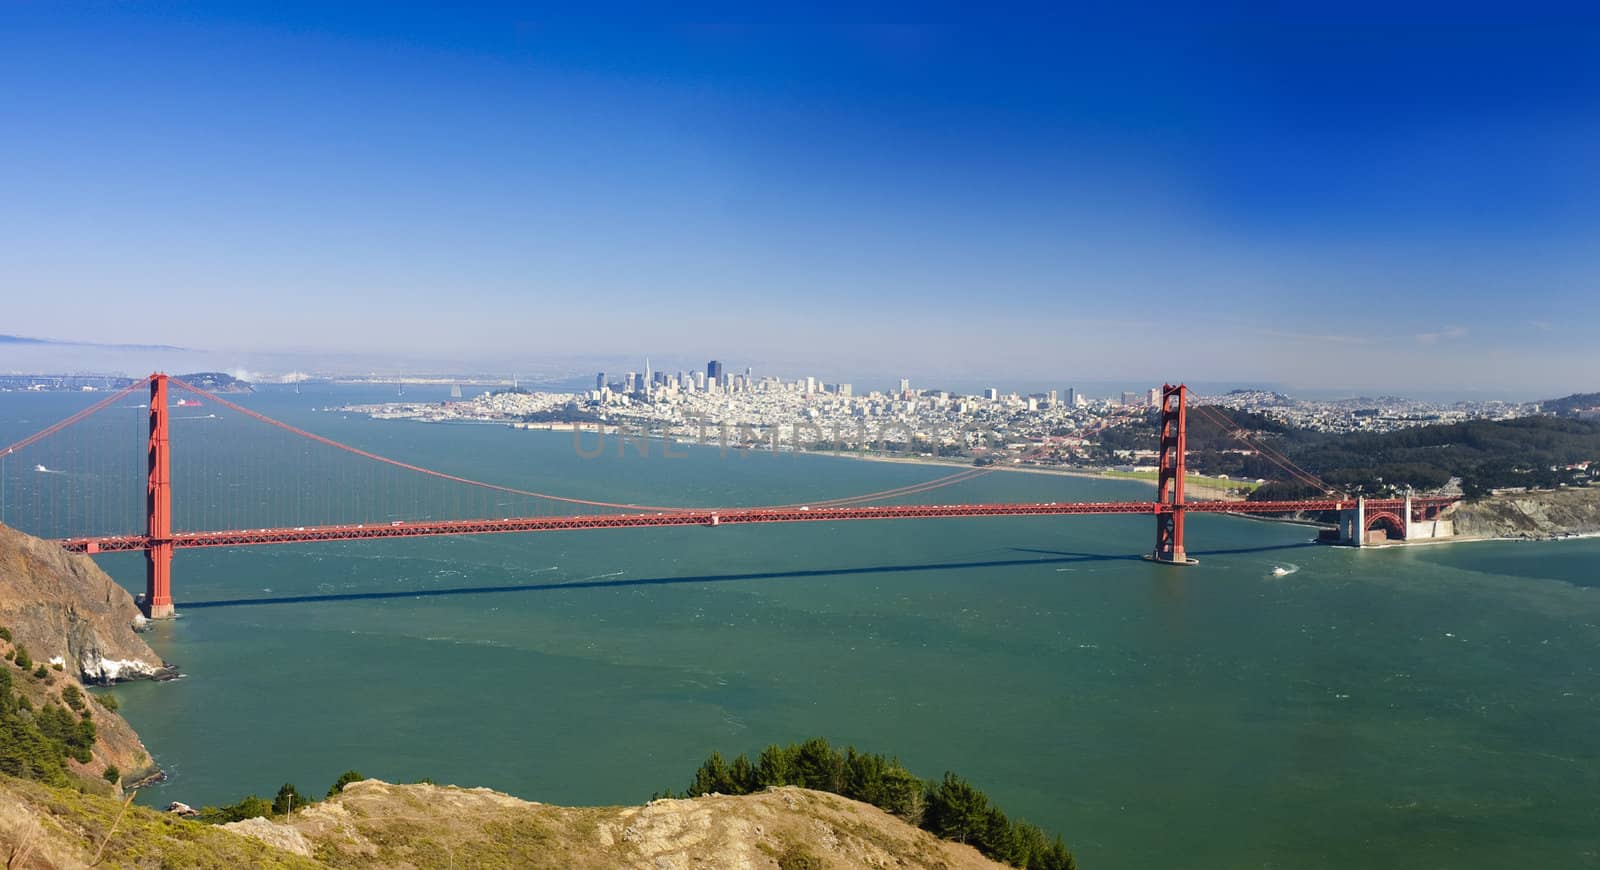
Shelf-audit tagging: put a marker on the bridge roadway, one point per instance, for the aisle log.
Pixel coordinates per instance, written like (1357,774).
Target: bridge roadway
(708,517)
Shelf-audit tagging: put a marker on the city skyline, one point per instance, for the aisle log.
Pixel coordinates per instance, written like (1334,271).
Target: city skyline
(1387,206)
(46,358)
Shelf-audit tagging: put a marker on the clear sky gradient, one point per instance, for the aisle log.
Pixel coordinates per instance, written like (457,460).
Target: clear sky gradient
(1371,197)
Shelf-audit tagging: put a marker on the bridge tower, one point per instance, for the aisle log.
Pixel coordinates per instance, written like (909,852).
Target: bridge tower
(157,602)
(1169,477)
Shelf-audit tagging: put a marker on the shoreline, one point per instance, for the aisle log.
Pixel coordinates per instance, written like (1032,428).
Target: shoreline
(1474,539)
(1190,482)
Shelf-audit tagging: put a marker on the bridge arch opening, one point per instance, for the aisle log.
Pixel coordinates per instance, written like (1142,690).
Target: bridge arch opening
(1390,524)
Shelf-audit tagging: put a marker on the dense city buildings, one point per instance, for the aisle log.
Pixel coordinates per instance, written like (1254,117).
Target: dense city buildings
(804,413)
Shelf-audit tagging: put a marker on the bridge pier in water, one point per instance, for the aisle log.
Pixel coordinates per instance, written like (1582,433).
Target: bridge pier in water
(157,602)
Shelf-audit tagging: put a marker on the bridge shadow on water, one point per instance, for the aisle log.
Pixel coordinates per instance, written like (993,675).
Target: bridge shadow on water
(1053,557)
(1273,548)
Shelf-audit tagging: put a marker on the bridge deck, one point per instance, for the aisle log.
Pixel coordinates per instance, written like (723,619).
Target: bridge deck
(705,517)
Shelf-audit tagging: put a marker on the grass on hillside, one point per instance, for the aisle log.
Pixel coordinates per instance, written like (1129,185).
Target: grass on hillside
(64,827)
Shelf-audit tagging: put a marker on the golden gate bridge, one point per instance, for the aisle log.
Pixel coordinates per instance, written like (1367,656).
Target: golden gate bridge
(486,509)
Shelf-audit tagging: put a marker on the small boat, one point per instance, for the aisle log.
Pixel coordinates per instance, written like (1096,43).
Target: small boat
(40,468)
(1279,570)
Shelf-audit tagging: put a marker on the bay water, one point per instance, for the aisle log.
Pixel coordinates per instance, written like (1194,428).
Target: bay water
(1432,706)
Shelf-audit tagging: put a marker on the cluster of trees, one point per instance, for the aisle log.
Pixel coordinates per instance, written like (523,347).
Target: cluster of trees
(284,802)
(950,808)
(36,742)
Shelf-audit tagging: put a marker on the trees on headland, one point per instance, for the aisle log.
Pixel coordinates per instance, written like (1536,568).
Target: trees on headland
(950,808)
(287,800)
(344,779)
(36,741)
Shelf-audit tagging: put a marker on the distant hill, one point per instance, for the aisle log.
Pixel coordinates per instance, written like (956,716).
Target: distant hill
(1569,406)
(217,382)
(1534,452)
(1539,452)
(25,339)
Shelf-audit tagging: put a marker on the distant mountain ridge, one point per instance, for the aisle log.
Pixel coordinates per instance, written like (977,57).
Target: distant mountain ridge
(213,382)
(54,342)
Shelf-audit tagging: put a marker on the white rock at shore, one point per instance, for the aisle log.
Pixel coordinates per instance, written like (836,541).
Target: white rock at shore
(110,670)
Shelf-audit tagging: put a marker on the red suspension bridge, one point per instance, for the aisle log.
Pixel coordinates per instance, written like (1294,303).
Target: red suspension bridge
(518,510)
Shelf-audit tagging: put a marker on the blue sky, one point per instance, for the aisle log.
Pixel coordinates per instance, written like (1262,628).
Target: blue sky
(1366,197)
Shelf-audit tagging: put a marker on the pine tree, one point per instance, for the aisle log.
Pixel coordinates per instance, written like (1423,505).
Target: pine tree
(713,777)
(344,779)
(818,766)
(775,767)
(904,794)
(744,775)
(287,800)
(956,810)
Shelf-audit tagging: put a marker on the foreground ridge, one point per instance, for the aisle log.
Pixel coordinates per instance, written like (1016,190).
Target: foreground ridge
(378,824)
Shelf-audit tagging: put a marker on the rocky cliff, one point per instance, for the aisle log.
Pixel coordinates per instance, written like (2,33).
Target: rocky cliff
(77,626)
(64,609)
(1532,514)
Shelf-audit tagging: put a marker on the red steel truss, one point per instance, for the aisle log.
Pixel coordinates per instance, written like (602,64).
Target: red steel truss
(719,517)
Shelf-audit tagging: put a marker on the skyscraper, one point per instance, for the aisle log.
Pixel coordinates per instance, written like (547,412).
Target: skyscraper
(600,381)
(714,372)
(1072,397)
